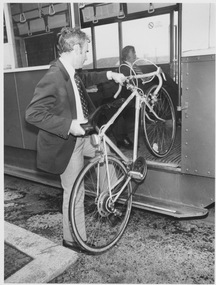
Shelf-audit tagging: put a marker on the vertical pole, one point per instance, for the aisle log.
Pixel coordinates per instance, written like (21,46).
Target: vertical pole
(179,55)
(172,44)
(120,40)
(75,15)
(93,47)
(10,35)
(137,112)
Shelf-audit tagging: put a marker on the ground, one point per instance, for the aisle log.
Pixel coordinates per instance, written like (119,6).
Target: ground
(154,248)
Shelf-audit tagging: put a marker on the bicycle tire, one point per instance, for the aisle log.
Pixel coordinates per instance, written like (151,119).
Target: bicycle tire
(159,136)
(102,228)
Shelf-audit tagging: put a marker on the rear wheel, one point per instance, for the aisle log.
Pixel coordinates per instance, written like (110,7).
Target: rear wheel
(96,222)
(159,135)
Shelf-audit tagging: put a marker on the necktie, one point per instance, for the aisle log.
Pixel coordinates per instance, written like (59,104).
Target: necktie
(82,98)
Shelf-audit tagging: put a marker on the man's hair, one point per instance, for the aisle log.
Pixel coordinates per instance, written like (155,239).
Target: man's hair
(68,37)
(125,52)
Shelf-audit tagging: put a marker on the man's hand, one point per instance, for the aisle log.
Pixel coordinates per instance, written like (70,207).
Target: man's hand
(117,77)
(76,129)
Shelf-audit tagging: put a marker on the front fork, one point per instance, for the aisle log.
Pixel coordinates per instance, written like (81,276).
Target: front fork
(145,101)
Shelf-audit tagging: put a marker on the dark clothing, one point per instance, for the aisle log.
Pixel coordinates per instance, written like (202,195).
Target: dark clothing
(119,127)
(52,110)
(168,84)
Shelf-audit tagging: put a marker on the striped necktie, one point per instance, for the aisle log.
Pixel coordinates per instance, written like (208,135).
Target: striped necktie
(82,98)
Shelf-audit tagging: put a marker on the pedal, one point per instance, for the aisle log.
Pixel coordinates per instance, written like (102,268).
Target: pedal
(139,169)
(136,175)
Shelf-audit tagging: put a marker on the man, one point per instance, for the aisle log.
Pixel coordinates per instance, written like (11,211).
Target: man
(59,106)
(128,58)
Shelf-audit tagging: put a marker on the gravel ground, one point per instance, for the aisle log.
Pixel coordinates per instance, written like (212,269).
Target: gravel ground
(154,248)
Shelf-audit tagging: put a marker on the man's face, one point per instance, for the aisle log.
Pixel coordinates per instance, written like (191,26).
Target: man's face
(131,57)
(80,55)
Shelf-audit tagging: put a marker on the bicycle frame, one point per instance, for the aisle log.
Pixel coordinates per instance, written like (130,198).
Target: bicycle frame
(139,100)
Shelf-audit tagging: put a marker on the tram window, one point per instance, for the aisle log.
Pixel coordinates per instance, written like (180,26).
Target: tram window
(107,45)
(40,50)
(7,49)
(95,12)
(150,37)
(89,62)
(137,7)
(33,31)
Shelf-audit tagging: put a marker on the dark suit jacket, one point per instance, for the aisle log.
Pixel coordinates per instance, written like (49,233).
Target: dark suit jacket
(52,110)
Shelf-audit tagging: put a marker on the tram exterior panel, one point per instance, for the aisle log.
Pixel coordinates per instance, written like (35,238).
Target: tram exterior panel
(198,120)
(19,88)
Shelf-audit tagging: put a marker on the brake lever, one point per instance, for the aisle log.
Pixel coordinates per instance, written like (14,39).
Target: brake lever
(164,76)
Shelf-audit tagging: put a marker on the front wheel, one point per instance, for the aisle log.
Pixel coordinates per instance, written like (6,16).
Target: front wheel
(97,222)
(159,133)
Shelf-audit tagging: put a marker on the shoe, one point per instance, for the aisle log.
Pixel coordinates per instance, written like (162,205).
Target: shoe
(72,245)
(126,143)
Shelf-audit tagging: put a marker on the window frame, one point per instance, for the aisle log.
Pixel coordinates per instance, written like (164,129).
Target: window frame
(128,17)
(12,42)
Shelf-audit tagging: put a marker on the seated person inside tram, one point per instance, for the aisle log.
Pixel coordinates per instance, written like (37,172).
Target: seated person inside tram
(129,67)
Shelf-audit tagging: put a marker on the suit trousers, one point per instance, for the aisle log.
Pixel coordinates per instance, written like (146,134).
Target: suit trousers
(82,148)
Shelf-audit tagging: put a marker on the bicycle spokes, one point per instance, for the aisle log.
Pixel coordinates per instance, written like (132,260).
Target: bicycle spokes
(104,216)
(159,124)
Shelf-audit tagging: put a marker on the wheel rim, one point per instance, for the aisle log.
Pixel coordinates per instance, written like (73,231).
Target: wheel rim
(159,135)
(104,221)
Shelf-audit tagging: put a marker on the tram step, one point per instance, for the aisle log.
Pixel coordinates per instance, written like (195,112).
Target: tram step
(168,207)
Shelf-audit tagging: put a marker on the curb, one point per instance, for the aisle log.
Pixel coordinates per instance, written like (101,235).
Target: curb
(49,259)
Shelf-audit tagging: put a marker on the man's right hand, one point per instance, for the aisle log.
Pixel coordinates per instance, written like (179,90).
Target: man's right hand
(75,128)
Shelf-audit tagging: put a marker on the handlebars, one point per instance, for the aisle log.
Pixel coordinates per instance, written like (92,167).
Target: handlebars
(157,73)
(90,126)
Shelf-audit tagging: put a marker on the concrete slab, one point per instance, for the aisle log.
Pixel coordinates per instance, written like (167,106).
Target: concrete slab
(49,259)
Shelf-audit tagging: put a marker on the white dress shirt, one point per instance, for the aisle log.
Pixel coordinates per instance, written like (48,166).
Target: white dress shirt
(71,72)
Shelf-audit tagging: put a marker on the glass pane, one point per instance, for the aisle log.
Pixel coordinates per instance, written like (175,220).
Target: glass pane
(89,62)
(150,37)
(107,45)
(101,11)
(35,26)
(138,7)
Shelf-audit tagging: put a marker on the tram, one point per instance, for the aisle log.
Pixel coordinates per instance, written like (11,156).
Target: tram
(179,37)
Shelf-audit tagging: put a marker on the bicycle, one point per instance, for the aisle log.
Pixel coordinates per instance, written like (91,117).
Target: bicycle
(102,194)
(158,136)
